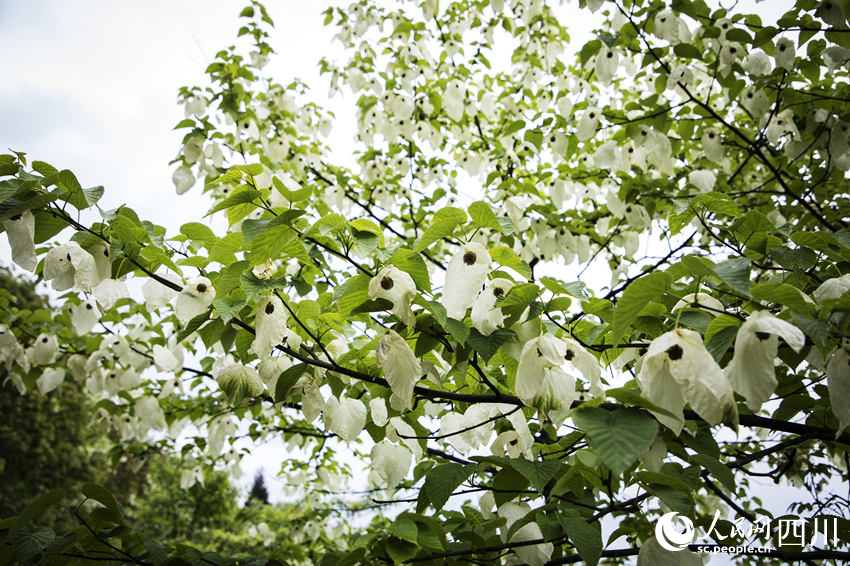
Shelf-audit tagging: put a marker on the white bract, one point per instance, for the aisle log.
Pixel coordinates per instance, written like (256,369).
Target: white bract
(838,378)
(195,298)
(378,411)
(68,266)
(345,417)
(832,288)
(534,554)
(270,325)
(677,369)
(84,316)
(465,275)
(158,295)
(44,350)
(751,371)
(397,287)
(401,369)
(50,379)
(110,291)
(486,317)
(697,300)
(20,229)
(390,464)
(183,179)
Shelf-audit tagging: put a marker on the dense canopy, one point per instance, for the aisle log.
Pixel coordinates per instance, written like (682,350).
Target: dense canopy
(556,292)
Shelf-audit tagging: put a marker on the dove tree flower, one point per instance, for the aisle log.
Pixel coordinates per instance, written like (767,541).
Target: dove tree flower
(397,287)
(678,370)
(195,298)
(465,275)
(752,372)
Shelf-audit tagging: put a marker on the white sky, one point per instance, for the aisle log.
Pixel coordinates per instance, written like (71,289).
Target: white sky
(92,86)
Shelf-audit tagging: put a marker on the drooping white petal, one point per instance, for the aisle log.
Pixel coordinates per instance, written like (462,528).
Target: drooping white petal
(703,179)
(832,288)
(397,287)
(586,365)
(84,316)
(345,417)
(752,372)
(486,317)
(100,253)
(537,354)
(465,275)
(150,413)
(702,300)
(401,369)
(20,229)
(270,370)
(50,379)
(158,295)
(520,424)
(271,325)
(183,179)
(397,427)
(534,554)
(166,359)
(68,266)
(44,350)
(378,411)
(838,381)
(195,298)
(312,403)
(677,369)
(240,382)
(390,464)
(110,291)
(557,391)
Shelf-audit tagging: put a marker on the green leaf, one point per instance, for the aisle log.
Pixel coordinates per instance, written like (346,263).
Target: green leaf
(735,273)
(352,293)
(483,216)
(687,51)
(719,342)
(412,263)
(586,537)
(487,346)
(783,294)
(400,550)
(40,505)
(102,496)
(405,528)
(29,541)
(716,468)
(751,223)
(240,196)
(457,329)
(288,379)
(720,323)
(504,255)
(227,308)
(444,223)
(193,325)
(619,437)
(442,480)
(800,259)
(635,297)
(156,552)
(538,473)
